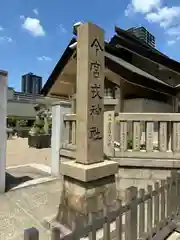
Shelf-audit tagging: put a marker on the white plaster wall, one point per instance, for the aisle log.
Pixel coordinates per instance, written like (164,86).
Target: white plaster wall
(146,105)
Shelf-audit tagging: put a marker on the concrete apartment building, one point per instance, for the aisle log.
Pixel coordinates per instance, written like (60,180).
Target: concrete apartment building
(31,84)
(144,35)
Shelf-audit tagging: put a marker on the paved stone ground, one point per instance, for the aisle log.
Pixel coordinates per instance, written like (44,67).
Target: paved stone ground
(20,156)
(19,153)
(174,236)
(27,207)
(19,175)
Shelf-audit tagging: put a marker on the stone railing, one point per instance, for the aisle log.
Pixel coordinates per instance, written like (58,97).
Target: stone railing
(143,136)
(69,129)
(69,134)
(153,138)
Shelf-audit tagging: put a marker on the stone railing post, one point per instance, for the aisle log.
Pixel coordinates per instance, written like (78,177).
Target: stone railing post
(3,134)
(119,96)
(58,111)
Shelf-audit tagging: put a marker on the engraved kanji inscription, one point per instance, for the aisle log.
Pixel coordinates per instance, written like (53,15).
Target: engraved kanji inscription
(94,134)
(95,44)
(95,68)
(95,110)
(95,90)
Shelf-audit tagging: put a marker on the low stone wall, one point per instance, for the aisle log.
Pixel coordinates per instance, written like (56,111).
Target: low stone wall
(139,177)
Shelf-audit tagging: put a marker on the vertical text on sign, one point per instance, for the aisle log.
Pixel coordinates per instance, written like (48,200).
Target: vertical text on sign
(109,129)
(96,89)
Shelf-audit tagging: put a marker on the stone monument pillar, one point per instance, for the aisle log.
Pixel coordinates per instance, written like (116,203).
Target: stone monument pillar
(3,134)
(89,181)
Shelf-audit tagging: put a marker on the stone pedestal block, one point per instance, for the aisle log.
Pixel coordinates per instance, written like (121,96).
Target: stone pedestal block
(80,198)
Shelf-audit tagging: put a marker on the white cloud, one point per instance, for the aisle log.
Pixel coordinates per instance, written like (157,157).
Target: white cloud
(1,28)
(5,39)
(33,26)
(142,6)
(129,11)
(62,28)
(35,11)
(22,17)
(44,58)
(164,16)
(154,11)
(9,39)
(171,42)
(174,31)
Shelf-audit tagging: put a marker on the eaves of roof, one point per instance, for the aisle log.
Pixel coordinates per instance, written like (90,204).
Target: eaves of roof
(132,43)
(119,68)
(136,40)
(58,68)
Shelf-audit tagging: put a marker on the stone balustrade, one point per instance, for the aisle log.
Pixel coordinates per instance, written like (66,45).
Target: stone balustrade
(152,137)
(150,132)
(146,136)
(69,135)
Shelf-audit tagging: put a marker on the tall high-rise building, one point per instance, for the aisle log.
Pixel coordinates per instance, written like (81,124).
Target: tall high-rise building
(143,34)
(31,84)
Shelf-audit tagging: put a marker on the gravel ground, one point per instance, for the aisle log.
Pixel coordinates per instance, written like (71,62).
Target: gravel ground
(19,153)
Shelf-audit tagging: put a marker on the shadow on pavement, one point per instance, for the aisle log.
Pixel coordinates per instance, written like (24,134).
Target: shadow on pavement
(12,181)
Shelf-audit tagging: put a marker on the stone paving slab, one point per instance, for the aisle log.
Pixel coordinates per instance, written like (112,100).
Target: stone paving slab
(40,201)
(19,153)
(13,220)
(27,171)
(18,175)
(27,207)
(174,236)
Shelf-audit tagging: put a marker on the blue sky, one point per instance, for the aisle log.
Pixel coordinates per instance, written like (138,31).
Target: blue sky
(33,34)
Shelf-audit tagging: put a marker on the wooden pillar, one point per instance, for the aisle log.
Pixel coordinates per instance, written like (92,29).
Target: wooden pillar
(119,96)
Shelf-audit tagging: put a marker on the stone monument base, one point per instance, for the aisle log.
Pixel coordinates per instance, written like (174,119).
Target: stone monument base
(88,172)
(80,198)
